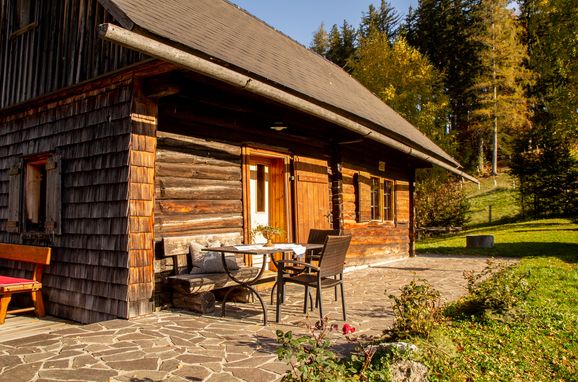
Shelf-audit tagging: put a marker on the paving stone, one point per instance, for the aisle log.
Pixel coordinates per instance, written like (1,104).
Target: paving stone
(60,364)
(143,376)
(84,360)
(69,331)
(223,377)
(25,372)
(128,356)
(193,359)
(95,348)
(9,361)
(253,362)
(28,358)
(193,373)
(185,346)
(67,354)
(170,365)
(88,374)
(253,375)
(276,367)
(214,366)
(105,339)
(139,364)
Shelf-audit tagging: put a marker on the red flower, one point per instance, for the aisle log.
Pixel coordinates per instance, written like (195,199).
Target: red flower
(348,329)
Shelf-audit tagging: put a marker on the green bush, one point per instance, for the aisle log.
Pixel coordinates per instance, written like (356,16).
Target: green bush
(416,311)
(498,288)
(440,202)
(310,357)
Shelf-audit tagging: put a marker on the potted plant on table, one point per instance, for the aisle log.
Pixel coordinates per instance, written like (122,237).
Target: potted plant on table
(268,232)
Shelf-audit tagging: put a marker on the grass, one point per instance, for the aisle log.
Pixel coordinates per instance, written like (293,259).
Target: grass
(552,237)
(536,342)
(500,195)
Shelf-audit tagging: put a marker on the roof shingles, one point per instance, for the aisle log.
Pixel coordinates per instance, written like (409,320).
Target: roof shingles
(221,30)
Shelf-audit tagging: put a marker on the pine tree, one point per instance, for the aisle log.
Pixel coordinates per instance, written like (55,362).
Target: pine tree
(320,43)
(502,108)
(386,20)
(440,30)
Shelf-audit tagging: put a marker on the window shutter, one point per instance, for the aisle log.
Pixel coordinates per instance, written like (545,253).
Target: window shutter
(14,198)
(363,197)
(52,223)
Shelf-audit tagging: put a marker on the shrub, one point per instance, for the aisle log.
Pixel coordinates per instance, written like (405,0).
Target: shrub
(440,203)
(416,311)
(310,357)
(498,288)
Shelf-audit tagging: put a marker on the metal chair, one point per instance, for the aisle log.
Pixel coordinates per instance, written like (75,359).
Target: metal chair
(328,274)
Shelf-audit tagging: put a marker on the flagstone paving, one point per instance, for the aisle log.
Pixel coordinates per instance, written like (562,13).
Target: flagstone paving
(174,345)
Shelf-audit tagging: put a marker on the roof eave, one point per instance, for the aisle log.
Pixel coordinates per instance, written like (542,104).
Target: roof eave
(200,65)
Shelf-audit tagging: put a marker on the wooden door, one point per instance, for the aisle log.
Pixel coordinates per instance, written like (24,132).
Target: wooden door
(312,202)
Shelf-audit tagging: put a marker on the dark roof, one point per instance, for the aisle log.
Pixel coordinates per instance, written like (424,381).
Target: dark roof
(221,30)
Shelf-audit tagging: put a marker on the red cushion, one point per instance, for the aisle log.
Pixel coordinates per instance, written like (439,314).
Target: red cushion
(6,280)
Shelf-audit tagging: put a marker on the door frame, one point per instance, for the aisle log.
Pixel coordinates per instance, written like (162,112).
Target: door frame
(247,154)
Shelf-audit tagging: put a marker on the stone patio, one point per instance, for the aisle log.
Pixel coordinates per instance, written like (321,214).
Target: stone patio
(182,346)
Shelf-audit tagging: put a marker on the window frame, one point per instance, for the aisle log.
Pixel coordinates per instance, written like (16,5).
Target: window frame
(378,211)
(40,193)
(392,202)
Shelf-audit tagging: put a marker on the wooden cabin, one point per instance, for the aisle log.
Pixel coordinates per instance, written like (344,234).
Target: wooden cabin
(123,122)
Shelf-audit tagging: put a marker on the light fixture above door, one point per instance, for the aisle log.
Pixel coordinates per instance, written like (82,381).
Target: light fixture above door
(278,126)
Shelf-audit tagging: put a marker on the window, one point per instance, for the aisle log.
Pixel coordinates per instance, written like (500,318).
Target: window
(261,191)
(34,195)
(388,199)
(375,199)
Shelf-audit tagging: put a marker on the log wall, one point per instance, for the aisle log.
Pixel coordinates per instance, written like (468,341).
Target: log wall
(59,48)
(87,278)
(374,241)
(198,191)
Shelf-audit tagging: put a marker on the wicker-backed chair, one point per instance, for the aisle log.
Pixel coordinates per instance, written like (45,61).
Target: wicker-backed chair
(318,236)
(328,274)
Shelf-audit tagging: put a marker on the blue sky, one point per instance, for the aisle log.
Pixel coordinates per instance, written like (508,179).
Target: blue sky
(299,19)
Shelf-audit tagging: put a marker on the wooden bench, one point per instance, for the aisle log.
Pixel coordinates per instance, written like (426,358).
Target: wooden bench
(40,257)
(194,291)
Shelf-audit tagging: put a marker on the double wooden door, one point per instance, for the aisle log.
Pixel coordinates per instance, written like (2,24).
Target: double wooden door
(290,192)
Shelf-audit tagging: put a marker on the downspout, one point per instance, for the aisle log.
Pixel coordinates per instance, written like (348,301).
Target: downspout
(189,61)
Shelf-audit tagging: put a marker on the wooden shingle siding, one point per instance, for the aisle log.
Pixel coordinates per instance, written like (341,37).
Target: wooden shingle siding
(88,276)
(141,189)
(59,49)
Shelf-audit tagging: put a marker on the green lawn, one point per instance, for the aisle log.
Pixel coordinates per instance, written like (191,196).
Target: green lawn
(546,237)
(539,342)
(501,196)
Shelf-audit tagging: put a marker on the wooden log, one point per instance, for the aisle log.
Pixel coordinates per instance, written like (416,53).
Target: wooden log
(238,295)
(203,302)
(480,241)
(183,207)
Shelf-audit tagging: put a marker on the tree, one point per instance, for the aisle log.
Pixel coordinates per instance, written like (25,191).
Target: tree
(551,33)
(341,44)
(546,157)
(386,20)
(405,80)
(320,43)
(501,108)
(440,29)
